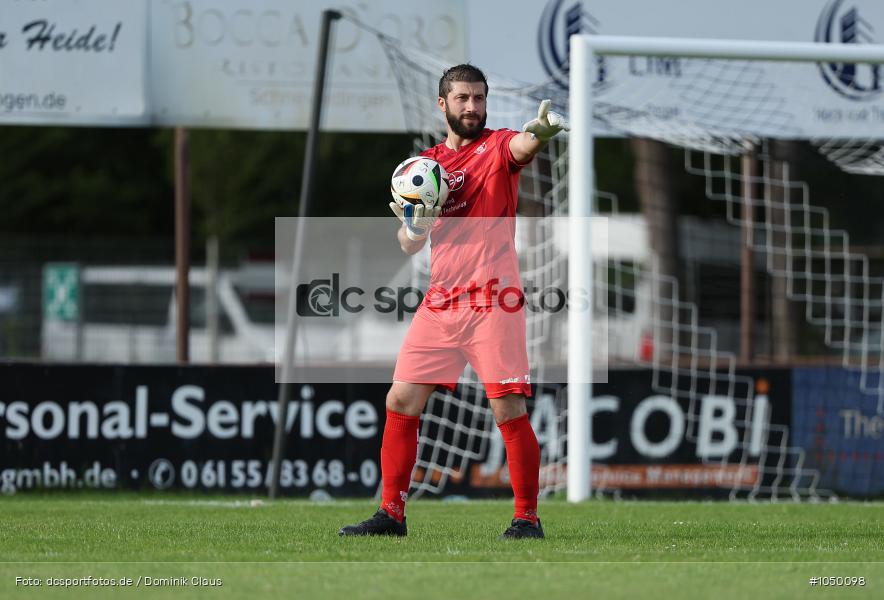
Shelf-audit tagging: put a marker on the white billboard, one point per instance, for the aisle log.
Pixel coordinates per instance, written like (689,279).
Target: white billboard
(529,42)
(237,63)
(212,63)
(250,64)
(73,62)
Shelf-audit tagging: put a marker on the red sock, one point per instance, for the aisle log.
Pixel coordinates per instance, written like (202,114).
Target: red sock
(523,458)
(398,455)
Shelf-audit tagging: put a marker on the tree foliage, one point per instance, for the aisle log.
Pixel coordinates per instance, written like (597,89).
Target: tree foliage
(120,182)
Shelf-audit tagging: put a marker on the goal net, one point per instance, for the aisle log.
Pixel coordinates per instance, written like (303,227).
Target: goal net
(725,131)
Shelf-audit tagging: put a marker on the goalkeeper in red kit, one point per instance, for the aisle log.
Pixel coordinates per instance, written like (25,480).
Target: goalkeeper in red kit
(467,316)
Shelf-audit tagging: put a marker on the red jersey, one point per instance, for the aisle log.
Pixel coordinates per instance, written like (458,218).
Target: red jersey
(471,255)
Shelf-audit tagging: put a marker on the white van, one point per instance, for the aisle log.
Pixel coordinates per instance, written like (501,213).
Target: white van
(623,292)
(129,316)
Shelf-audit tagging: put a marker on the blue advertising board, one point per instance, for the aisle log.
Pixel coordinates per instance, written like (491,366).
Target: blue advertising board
(838,425)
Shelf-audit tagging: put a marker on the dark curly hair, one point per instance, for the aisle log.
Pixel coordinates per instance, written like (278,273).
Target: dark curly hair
(464,72)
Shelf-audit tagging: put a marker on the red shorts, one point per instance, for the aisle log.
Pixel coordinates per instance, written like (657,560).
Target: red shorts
(440,343)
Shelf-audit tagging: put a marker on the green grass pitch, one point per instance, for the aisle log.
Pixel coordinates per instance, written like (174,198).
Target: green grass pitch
(289,548)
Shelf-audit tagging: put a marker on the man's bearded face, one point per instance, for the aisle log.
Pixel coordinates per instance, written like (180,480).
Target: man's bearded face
(469,125)
(465,109)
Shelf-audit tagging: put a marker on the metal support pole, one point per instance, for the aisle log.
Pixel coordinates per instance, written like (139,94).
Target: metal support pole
(581,183)
(81,315)
(747,269)
(212,313)
(182,244)
(307,185)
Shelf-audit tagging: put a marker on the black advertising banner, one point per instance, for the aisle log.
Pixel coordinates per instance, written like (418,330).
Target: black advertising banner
(648,439)
(167,427)
(837,421)
(211,428)
(700,439)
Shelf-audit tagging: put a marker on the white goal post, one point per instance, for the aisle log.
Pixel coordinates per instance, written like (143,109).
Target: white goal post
(581,182)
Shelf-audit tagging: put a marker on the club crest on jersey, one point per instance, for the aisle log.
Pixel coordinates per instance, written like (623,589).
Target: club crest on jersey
(456,179)
(480,149)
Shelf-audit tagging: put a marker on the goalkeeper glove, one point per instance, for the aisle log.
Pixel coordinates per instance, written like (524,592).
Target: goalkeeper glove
(547,124)
(418,219)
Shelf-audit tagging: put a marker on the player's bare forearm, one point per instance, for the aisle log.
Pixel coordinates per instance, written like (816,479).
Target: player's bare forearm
(524,146)
(408,245)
